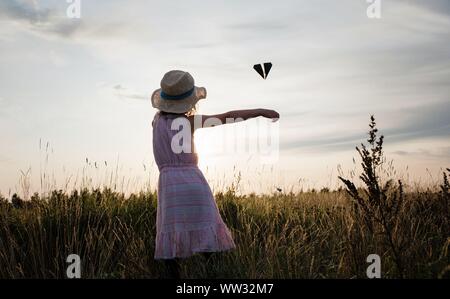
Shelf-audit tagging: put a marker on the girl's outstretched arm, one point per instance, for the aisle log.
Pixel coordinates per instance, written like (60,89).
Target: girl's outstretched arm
(206,121)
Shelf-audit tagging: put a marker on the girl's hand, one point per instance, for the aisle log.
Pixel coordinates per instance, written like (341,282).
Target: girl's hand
(267,113)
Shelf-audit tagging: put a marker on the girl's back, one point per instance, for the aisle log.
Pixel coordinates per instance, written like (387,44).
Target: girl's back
(163,135)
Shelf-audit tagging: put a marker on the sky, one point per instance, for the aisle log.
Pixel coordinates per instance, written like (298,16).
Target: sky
(74,92)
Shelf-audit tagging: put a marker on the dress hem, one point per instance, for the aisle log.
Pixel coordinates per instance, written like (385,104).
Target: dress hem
(183,244)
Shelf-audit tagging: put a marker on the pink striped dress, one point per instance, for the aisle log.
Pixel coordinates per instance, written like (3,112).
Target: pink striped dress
(188,220)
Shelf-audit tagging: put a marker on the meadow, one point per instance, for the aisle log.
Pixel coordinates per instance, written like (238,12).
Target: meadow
(310,234)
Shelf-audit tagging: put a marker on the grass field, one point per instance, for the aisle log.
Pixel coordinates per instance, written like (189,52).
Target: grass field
(305,235)
(325,234)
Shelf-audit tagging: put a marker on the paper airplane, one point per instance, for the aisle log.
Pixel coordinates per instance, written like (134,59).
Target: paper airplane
(263,69)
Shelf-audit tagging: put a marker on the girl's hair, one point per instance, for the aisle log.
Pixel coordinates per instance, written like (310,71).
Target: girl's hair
(192,111)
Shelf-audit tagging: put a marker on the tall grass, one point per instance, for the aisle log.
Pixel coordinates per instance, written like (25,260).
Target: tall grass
(326,234)
(304,235)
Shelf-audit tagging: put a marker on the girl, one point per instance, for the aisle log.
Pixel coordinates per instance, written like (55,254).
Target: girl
(187,220)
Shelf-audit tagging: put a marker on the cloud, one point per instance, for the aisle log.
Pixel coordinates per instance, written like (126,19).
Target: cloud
(127,93)
(53,22)
(3,106)
(437,153)
(258,26)
(438,6)
(4,159)
(57,59)
(37,19)
(198,45)
(325,143)
(421,122)
(401,153)
(25,11)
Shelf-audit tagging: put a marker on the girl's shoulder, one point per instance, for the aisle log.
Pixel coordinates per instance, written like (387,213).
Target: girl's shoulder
(155,118)
(171,115)
(160,115)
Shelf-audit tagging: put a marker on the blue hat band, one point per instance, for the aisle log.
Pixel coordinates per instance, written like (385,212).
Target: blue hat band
(166,96)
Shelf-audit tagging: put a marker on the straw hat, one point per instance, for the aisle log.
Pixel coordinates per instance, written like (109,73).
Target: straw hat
(177,94)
